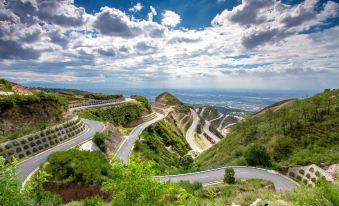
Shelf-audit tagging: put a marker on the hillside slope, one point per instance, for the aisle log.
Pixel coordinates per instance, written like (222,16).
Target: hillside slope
(180,112)
(23,114)
(297,132)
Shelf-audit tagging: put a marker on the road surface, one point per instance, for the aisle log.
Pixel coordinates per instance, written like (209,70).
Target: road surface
(26,167)
(191,131)
(207,131)
(125,150)
(281,183)
(101,105)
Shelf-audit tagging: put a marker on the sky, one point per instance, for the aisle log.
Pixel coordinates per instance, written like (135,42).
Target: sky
(249,44)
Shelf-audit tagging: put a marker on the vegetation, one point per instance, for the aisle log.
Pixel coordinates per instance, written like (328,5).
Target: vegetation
(74,166)
(33,194)
(169,99)
(119,115)
(144,101)
(5,85)
(100,96)
(298,132)
(100,140)
(64,91)
(13,100)
(257,156)
(229,176)
(164,144)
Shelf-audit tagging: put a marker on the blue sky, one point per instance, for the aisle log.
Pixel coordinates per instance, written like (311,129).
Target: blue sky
(263,44)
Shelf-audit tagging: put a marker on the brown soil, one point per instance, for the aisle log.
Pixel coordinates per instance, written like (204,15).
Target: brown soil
(27,116)
(74,192)
(24,90)
(135,122)
(115,138)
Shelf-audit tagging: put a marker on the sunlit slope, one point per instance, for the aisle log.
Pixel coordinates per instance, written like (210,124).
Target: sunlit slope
(296,132)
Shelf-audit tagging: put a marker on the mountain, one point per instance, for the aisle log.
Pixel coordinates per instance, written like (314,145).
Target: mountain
(292,132)
(164,142)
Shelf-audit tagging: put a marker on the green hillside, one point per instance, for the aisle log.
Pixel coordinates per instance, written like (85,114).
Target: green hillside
(164,144)
(119,115)
(297,132)
(23,114)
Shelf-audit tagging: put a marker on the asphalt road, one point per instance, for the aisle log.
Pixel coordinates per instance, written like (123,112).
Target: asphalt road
(191,131)
(206,129)
(101,105)
(125,150)
(26,167)
(280,182)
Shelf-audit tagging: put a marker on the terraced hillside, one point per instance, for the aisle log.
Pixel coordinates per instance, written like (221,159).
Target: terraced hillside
(180,112)
(23,114)
(297,132)
(164,143)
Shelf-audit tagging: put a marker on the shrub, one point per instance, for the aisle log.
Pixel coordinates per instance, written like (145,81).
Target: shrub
(87,167)
(291,174)
(258,156)
(93,201)
(301,171)
(99,139)
(229,176)
(317,173)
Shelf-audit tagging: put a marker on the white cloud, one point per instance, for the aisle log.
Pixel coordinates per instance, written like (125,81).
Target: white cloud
(170,18)
(136,8)
(152,13)
(110,44)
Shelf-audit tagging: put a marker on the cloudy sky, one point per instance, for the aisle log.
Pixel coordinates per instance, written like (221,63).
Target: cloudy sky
(268,44)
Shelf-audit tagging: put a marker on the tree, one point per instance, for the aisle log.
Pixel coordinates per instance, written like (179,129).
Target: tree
(100,140)
(229,176)
(258,156)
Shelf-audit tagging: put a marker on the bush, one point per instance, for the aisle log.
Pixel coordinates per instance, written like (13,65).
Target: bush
(258,156)
(78,166)
(100,96)
(229,176)
(93,201)
(100,140)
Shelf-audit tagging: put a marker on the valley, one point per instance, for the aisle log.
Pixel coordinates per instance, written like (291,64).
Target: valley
(183,152)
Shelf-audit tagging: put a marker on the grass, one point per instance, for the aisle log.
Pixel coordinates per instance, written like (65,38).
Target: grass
(126,130)
(301,132)
(119,115)
(164,144)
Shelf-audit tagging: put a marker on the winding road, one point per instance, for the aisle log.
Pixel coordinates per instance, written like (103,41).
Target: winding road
(280,182)
(191,131)
(100,105)
(28,166)
(207,131)
(126,148)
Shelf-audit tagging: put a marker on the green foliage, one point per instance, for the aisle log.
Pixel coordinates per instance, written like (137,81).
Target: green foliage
(78,166)
(100,140)
(100,96)
(229,176)
(166,146)
(12,100)
(295,132)
(93,201)
(144,101)
(135,185)
(257,156)
(169,98)
(119,115)
(324,194)
(5,85)
(10,194)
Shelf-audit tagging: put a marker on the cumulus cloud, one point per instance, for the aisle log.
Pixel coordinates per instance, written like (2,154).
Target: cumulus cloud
(113,22)
(269,21)
(137,7)
(256,39)
(170,18)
